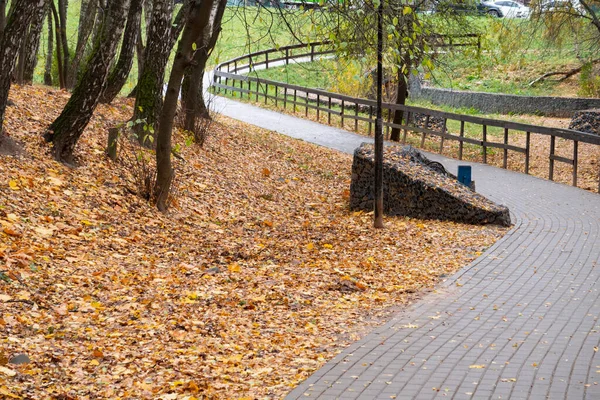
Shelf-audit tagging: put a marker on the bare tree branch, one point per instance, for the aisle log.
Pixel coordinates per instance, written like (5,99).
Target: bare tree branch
(566,74)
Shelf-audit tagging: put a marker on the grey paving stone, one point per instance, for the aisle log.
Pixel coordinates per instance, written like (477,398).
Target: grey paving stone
(542,277)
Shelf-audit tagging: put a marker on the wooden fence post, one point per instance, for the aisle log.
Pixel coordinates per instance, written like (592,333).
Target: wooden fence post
(484,144)
(295,97)
(111,147)
(443,133)
(424,134)
(552,150)
(461,144)
(575,161)
(406,122)
(318,107)
(505,159)
(527,151)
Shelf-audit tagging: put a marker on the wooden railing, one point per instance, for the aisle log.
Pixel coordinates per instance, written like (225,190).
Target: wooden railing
(464,40)
(228,78)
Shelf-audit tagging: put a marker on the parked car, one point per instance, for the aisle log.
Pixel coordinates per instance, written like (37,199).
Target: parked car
(504,9)
(549,6)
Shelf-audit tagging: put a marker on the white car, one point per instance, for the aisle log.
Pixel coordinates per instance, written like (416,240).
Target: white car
(560,5)
(506,9)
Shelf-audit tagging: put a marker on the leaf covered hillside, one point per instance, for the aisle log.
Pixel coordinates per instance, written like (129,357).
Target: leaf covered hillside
(257,276)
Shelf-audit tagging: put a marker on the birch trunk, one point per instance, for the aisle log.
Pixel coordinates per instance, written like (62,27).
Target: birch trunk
(66,130)
(148,100)
(119,74)
(32,44)
(86,26)
(11,40)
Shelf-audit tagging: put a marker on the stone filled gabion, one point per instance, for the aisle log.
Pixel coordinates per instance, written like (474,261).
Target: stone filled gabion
(434,123)
(586,121)
(412,189)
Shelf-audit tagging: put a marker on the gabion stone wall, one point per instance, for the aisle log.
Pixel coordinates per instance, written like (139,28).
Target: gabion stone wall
(501,103)
(586,121)
(412,188)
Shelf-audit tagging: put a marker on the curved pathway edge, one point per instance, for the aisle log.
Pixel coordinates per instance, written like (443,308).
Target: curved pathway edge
(520,322)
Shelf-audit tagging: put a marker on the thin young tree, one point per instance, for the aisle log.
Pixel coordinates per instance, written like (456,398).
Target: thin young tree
(49,52)
(378,184)
(63,6)
(193,103)
(200,14)
(62,73)
(391,27)
(66,130)
(11,39)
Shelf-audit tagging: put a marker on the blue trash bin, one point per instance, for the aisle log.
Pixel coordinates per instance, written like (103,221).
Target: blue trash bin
(464,175)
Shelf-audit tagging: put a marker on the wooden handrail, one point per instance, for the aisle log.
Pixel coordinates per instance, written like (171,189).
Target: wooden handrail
(325,102)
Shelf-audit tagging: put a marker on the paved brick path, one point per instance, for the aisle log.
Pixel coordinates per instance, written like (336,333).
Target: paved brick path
(521,322)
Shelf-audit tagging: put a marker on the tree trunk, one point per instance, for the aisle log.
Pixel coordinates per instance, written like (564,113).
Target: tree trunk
(83,12)
(378,183)
(193,97)
(407,54)
(148,100)
(68,127)
(401,92)
(12,37)
(98,20)
(59,59)
(180,20)
(2,14)
(32,44)
(49,52)
(89,8)
(139,49)
(20,67)
(63,5)
(199,17)
(148,7)
(119,75)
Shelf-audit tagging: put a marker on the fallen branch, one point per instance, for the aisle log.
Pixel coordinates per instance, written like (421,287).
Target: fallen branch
(177,155)
(29,302)
(567,74)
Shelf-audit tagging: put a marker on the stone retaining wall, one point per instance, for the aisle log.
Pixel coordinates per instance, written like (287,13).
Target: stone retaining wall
(501,103)
(413,189)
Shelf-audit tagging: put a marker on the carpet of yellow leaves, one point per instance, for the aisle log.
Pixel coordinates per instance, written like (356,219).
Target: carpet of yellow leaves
(588,174)
(257,276)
